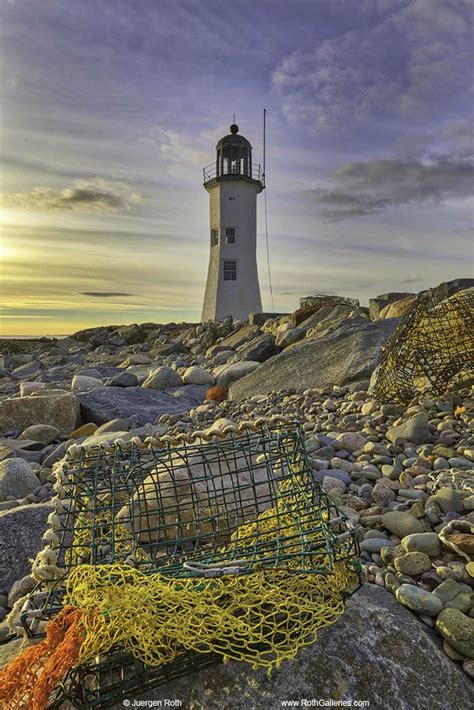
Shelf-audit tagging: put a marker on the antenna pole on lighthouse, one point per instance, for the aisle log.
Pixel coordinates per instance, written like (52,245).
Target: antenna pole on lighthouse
(264,122)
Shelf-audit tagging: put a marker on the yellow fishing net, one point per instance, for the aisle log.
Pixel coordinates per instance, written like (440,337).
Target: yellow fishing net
(258,598)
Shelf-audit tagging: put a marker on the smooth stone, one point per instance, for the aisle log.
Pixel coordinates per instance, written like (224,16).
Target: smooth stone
(415,430)
(374,544)
(427,542)
(114,425)
(418,600)
(163,378)
(449,589)
(82,382)
(458,630)
(401,523)
(45,433)
(448,500)
(16,479)
(123,379)
(413,563)
(84,430)
(334,473)
(198,376)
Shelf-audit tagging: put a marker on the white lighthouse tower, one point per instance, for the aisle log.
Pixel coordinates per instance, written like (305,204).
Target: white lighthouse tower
(233,184)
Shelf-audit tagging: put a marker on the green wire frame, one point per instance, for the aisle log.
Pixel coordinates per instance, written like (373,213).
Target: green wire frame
(237,479)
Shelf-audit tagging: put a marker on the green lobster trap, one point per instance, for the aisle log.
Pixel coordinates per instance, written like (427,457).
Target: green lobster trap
(180,553)
(432,347)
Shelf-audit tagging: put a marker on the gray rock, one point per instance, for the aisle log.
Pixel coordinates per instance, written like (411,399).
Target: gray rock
(81,382)
(27,370)
(378,651)
(458,630)
(375,544)
(449,589)
(123,379)
(55,407)
(198,376)
(422,542)
(259,349)
(419,600)
(289,337)
(401,524)
(346,355)
(234,372)
(334,472)
(163,378)
(415,430)
(112,425)
(138,406)
(448,499)
(16,479)
(241,336)
(45,433)
(377,304)
(106,438)
(21,531)
(413,563)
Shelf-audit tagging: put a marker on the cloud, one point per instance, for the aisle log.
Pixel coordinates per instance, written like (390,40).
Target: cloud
(105,294)
(97,195)
(406,66)
(410,281)
(363,188)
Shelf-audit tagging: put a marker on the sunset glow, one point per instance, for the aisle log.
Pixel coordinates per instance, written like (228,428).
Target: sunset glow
(106,126)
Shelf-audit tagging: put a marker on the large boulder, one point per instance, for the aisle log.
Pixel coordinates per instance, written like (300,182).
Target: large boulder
(21,530)
(137,405)
(344,356)
(55,407)
(377,304)
(377,651)
(398,308)
(448,288)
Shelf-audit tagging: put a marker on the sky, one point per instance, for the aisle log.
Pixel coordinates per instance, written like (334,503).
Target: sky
(111,108)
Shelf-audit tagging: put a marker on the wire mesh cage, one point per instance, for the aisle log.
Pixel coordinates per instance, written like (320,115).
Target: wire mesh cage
(230,546)
(433,347)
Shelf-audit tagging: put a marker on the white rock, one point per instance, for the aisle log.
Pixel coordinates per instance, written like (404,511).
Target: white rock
(81,383)
(197,376)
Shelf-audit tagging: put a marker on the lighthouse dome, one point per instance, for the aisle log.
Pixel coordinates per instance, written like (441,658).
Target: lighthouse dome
(234,154)
(233,138)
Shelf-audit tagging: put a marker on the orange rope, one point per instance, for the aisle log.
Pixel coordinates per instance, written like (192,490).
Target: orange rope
(27,681)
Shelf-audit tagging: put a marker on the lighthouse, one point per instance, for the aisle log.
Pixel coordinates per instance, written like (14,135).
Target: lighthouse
(233,183)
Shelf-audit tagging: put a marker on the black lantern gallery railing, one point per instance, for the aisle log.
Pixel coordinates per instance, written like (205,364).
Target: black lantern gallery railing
(210,172)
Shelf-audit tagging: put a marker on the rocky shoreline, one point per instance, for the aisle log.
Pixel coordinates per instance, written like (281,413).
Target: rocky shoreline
(403,474)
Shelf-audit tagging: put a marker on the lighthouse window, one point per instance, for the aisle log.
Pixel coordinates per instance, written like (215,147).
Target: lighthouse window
(230,271)
(214,237)
(230,235)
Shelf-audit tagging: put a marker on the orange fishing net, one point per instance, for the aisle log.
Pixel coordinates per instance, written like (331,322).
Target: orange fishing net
(28,680)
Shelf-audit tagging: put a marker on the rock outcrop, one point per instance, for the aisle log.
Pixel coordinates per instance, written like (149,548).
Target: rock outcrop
(348,355)
(378,652)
